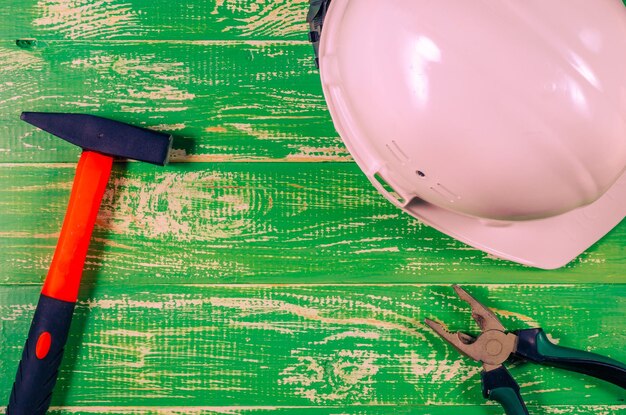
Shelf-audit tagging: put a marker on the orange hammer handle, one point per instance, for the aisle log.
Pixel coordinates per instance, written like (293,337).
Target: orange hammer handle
(92,175)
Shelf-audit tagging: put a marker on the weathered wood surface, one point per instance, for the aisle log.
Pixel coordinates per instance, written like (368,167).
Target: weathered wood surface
(233,80)
(309,346)
(360,410)
(254,223)
(222,100)
(174,317)
(78,20)
(344,410)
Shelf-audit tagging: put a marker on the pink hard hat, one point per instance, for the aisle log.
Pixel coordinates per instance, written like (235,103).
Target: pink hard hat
(502,124)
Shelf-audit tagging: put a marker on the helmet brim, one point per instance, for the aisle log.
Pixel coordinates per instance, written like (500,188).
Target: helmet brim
(543,243)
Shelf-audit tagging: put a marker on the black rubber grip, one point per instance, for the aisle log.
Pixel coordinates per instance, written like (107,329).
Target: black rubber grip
(499,386)
(37,375)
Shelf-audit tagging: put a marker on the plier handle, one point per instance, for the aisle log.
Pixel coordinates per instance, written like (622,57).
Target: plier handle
(495,346)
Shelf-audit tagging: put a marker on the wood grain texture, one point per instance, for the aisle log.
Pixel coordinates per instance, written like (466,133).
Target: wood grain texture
(308,346)
(254,223)
(344,410)
(147,19)
(223,101)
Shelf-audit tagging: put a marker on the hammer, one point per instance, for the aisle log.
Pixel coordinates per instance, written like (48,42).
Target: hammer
(101,140)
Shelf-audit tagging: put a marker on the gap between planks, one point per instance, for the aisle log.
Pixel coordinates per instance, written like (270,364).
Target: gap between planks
(204,158)
(42,42)
(355,284)
(165,410)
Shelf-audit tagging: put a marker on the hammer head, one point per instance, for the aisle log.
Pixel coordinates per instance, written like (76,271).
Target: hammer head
(105,136)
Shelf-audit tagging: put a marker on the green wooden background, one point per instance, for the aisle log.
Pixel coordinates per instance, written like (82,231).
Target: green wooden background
(260,272)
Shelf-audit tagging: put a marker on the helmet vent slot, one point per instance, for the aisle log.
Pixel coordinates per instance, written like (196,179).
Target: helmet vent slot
(388,189)
(397,152)
(445,193)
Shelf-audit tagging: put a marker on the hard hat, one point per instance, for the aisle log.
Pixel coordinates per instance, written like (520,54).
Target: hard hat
(501,124)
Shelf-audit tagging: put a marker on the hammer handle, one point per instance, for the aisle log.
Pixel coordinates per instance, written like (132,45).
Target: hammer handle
(92,175)
(41,358)
(43,351)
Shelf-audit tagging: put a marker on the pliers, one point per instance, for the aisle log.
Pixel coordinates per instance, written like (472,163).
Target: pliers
(494,346)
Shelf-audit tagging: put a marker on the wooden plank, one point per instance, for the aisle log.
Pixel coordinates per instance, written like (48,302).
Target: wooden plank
(345,410)
(182,345)
(148,19)
(254,223)
(223,101)
(299,346)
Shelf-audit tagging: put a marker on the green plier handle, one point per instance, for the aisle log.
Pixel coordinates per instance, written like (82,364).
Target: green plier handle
(533,345)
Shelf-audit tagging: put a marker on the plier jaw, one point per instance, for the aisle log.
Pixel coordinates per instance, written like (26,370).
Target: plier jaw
(492,347)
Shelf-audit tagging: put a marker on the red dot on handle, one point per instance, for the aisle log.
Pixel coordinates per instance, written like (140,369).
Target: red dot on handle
(43,345)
